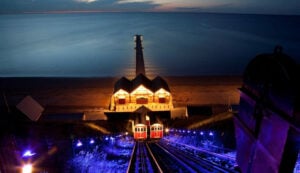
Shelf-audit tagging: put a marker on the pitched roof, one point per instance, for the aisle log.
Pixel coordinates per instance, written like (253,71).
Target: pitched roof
(158,83)
(142,110)
(124,84)
(141,80)
(153,85)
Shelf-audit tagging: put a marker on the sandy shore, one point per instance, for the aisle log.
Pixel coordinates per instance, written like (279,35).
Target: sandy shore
(91,94)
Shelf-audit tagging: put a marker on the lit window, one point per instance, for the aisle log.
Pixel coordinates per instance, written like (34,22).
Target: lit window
(142,100)
(162,100)
(122,101)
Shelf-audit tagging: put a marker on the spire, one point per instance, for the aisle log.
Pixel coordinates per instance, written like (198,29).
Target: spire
(140,66)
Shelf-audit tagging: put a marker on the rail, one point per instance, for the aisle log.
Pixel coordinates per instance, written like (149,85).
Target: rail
(205,159)
(202,150)
(141,161)
(169,162)
(131,158)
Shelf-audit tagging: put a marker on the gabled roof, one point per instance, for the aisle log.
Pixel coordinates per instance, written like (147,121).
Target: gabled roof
(142,110)
(141,80)
(124,84)
(153,85)
(158,83)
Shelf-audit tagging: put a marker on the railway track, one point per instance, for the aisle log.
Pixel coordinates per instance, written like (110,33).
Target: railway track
(205,161)
(142,160)
(169,162)
(199,161)
(161,157)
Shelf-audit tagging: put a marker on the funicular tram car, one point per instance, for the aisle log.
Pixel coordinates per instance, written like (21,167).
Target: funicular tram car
(156,131)
(140,132)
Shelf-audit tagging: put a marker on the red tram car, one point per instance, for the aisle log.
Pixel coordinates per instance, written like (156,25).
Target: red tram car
(156,131)
(140,132)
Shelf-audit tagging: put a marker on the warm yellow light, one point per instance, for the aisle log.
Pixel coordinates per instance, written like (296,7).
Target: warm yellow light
(161,92)
(27,168)
(167,130)
(147,118)
(121,93)
(121,96)
(141,90)
(97,128)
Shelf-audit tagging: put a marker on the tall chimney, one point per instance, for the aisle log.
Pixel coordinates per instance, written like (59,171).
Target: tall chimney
(140,66)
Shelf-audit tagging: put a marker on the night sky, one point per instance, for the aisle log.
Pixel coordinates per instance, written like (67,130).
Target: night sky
(223,6)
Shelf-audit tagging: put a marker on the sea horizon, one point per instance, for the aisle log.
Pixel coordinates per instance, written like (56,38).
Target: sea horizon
(122,11)
(175,43)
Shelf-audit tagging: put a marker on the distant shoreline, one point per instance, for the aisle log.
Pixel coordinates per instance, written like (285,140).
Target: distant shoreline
(89,94)
(12,82)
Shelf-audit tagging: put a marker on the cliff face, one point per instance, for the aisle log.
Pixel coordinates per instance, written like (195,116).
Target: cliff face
(93,94)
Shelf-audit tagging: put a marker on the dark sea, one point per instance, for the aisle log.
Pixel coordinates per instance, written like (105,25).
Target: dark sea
(175,44)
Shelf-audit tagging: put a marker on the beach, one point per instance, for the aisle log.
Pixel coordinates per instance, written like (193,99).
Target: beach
(77,95)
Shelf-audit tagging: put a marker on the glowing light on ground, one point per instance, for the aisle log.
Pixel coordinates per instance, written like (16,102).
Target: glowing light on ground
(79,144)
(28,153)
(167,130)
(27,168)
(107,154)
(205,142)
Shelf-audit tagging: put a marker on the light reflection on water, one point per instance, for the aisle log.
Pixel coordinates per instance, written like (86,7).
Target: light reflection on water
(101,44)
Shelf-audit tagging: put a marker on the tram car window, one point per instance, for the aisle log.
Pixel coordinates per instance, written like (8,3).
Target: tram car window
(156,131)
(140,132)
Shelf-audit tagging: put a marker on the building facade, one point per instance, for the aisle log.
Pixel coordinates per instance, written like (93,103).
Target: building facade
(130,95)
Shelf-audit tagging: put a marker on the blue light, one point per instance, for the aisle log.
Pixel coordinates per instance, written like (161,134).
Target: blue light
(92,141)
(106,138)
(183,131)
(28,153)
(211,134)
(201,133)
(189,131)
(194,132)
(79,144)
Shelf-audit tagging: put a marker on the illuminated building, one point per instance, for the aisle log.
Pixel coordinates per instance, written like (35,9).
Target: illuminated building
(131,95)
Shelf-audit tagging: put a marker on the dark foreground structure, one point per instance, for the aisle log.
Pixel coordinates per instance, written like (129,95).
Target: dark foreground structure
(267,127)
